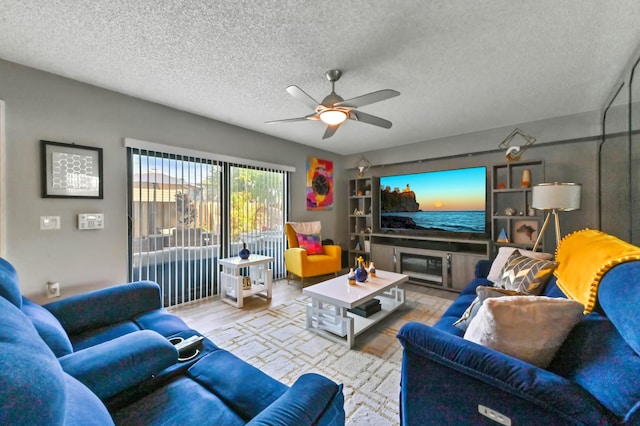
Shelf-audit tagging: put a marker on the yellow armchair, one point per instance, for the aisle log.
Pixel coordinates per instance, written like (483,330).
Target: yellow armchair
(304,265)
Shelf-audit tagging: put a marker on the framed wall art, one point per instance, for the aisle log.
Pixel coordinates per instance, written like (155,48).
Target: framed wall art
(319,184)
(525,231)
(70,170)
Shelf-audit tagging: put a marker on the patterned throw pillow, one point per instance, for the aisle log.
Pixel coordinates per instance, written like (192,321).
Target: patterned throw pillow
(524,274)
(483,293)
(310,242)
(503,255)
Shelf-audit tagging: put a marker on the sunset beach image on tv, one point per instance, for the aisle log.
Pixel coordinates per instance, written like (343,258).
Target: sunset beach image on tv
(445,200)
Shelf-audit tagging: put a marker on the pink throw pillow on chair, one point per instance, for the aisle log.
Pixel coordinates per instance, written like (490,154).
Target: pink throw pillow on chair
(310,242)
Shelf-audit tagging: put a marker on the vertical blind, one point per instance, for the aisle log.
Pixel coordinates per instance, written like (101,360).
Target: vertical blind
(186,212)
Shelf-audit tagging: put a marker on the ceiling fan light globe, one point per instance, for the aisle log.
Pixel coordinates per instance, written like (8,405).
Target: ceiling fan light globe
(333,117)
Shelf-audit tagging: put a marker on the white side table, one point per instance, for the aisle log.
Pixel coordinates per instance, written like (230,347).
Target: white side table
(231,279)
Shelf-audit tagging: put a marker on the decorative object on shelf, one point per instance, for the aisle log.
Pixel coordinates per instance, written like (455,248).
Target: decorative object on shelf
(358,246)
(509,211)
(515,152)
(502,237)
(70,170)
(351,277)
(363,165)
(319,184)
(361,271)
(525,181)
(525,232)
(531,211)
(246,283)
(244,252)
(501,185)
(554,197)
(372,269)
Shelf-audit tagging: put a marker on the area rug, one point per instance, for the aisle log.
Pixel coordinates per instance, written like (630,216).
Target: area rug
(276,342)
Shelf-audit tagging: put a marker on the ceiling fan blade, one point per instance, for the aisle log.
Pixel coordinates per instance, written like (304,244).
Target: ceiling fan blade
(369,98)
(290,120)
(302,96)
(331,129)
(369,119)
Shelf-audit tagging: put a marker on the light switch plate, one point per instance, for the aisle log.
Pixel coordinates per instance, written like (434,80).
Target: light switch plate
(49,223)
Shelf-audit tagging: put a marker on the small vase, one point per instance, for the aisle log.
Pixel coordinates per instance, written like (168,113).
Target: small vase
(525,181)
(244,252)
(361,272)
(372,270)
(351,277)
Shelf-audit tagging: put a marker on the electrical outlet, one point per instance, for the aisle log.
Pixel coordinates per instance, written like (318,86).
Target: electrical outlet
(53,289)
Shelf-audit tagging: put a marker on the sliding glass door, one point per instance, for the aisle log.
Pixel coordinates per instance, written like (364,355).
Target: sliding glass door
(187,212)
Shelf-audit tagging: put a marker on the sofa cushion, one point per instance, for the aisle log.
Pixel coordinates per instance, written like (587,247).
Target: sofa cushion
(9,288)
(100,335)
(310,242)
(621,302)
(161,321)
(34,390)
(483,293)
(48,327)
(530,328)
(525,274)
(503,256)
(597,358)
(243,387)
(182,402)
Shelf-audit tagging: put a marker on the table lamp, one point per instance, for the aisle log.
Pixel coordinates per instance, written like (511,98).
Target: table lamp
(554,197)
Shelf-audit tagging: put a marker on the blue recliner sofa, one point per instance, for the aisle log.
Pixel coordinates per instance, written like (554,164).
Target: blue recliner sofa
(594,378)
(107,357)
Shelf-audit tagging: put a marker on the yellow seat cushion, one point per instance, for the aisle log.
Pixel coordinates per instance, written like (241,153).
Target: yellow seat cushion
(583,257)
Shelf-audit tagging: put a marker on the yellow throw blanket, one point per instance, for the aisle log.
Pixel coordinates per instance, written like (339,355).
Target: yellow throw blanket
(584,257)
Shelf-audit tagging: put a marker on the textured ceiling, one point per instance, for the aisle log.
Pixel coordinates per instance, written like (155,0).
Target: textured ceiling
(460,66)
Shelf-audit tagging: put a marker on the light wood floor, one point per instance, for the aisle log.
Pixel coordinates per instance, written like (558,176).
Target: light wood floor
(209,313)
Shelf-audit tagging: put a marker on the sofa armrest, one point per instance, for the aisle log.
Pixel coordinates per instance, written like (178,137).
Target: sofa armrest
(476,375)
(332,250)
(106,306)
(113,366)
(311,398)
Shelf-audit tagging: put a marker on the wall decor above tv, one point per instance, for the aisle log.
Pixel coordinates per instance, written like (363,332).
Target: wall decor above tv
(444,202)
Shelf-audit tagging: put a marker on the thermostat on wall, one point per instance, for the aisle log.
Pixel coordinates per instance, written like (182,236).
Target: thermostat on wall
(90,221)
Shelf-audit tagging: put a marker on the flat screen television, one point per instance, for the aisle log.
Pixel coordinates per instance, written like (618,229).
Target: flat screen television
(440,203)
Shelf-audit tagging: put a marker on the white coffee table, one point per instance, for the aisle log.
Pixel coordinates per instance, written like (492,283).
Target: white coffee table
(327,313)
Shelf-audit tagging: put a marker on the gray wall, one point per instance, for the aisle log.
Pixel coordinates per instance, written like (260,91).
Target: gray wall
(44,106)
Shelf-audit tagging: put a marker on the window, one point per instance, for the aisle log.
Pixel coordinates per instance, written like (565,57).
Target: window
(186,211)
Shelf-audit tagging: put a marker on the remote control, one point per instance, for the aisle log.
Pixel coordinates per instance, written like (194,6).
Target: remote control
(187,345)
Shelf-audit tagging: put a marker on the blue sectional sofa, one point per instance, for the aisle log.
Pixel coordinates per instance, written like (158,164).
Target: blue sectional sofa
(105,358)
(593,379)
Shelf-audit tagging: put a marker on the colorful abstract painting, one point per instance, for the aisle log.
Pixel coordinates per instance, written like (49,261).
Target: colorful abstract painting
(319,184)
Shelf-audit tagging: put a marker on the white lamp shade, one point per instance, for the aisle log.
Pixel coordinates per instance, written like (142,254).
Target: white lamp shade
(333,116)
(556,196)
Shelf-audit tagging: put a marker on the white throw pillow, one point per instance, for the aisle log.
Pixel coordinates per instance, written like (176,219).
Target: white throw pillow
(530,328)
(503,255)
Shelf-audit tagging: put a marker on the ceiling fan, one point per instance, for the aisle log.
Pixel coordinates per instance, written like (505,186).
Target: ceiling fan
(333,110)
